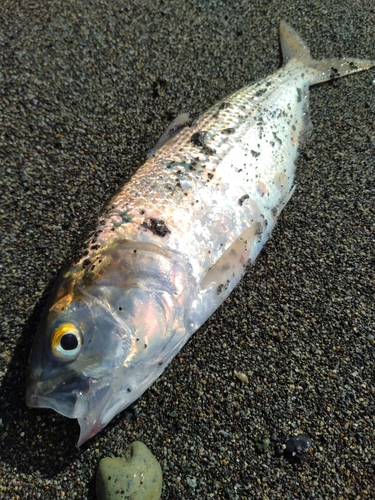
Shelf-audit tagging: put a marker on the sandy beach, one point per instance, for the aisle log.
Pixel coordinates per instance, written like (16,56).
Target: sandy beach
(87,88)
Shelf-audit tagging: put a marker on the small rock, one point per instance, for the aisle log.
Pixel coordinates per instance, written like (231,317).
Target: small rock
(227,493)
(297,447)
(263,446)
(192,482)
(242,377)
(224,433)
(136,476)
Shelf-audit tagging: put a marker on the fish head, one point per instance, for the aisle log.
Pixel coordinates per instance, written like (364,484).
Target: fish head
(102,341)
(77,355)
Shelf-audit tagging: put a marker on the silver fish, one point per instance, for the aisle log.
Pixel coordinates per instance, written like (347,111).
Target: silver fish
(173,243)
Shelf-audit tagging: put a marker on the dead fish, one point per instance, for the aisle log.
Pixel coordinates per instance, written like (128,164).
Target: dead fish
(173,243)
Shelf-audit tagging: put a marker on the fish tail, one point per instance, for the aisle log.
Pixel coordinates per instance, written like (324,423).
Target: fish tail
(296,50)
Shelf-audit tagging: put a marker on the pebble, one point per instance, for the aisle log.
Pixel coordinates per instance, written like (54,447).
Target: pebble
(136,476)
(263,446)
(242,377)
(192,482)
(297,447)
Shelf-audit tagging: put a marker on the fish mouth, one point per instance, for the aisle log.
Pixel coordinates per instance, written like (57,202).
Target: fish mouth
(79,397)
(67,398)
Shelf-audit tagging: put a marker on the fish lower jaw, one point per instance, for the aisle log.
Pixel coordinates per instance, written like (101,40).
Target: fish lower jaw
(88,429)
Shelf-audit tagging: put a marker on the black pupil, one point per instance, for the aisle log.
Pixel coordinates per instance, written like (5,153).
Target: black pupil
(69,342)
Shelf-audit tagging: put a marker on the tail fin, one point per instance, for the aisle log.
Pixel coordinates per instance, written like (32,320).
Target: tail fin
(295,49)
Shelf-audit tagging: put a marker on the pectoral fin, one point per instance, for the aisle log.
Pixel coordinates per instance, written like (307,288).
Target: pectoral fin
(223,276)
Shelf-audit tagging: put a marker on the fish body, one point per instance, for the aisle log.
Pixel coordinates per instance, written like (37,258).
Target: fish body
(173,243)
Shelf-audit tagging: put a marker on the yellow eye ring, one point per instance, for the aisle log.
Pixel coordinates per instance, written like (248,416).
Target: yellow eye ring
(66,341)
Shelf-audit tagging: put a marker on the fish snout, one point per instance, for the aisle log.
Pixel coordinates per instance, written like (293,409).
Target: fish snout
(65,397)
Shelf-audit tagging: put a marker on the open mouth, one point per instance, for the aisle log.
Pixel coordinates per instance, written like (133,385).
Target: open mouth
(67,398)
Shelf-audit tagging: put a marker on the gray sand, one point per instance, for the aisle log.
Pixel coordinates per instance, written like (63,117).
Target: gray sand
(86,90)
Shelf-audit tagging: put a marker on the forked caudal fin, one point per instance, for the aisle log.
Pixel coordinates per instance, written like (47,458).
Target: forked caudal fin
(296,50)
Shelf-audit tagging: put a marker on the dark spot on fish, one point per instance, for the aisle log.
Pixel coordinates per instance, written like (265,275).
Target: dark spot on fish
(95,247)
(242,199)
(135,250)
(198,139)
(125,217)
(299,95)
(228,130)
(224,105)
(85,252)
(128,389)
(156,226)
(260,92)
(86,263)
(145,346)
(142,212)
(220,289)
(334,73)
(160,362)
(210,176)
(120,308)
(92,267)
(277,138)
(208,151)
(255,153)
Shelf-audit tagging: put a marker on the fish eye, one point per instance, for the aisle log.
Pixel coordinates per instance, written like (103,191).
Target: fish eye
(66,341)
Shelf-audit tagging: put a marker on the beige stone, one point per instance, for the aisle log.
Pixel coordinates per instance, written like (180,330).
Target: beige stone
(136,476)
